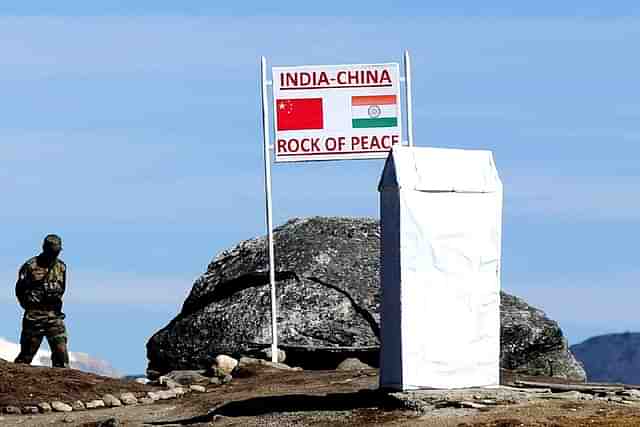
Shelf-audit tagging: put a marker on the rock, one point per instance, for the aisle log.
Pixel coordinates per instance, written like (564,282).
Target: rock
(128,399)
(185,377)
(11,410)
(153,395)
(44,407)
(145,400)
(197,388)
(30,410)
(352,364)
(68,419)
(180,391)
(224,364)
(61,406)
(78,406)
(567,395)
(329,299)
(227,379)
(631,393)
(471,405)
(142,380)
(282,356)
(111,422)
(250,361)
(215,381)
(533,344)
(110,401)
(95,404)
(167,382)
(167,394)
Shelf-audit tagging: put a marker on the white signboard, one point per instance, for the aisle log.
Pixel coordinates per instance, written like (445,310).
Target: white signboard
(336,112)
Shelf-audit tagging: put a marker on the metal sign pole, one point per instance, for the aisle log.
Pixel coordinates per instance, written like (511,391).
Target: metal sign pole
(267,186)
(407,86)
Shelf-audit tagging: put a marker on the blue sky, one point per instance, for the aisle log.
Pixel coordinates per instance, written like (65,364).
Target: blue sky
(137,138)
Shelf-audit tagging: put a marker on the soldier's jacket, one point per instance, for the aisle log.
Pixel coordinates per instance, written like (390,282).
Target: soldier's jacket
(40,287)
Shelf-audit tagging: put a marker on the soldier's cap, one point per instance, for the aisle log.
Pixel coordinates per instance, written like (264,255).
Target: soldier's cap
(52,240)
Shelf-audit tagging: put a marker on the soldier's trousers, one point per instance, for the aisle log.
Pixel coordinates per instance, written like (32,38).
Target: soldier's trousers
(37,325)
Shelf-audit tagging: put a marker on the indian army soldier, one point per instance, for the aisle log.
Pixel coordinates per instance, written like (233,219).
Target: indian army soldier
(41,284)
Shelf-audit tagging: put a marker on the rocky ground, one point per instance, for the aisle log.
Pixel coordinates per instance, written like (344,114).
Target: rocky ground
(261,394)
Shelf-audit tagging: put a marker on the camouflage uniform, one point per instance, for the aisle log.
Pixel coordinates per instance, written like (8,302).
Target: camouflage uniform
(39,289)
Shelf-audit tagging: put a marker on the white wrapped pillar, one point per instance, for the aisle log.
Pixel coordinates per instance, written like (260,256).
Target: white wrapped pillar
(441,219)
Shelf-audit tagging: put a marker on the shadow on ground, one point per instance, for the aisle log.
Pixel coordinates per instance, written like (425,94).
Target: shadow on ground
(258,406)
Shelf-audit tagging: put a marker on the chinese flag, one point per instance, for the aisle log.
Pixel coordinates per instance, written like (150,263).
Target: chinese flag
(299,114)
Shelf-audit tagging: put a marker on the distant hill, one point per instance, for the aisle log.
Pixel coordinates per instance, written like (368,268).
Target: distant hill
(611,357)
(81,361)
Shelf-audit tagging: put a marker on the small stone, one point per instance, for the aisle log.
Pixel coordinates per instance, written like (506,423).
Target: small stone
(216,372)
(68,419)
(171,384)
(78,406)
(282,356)
(247,361)
(631,394)
(11,410)
(180,391)
(570,395)
(111,401)
(185,377)
(214,381)
(167,394)
(29,410)
(250,361)
(352,364)
(490,402)
(227,379)
(128,399)
(61,406)
(472,405)
(111,422)
(153,395)
(145,401)
(44,407)
(225,363)
(94,404)
(198,388)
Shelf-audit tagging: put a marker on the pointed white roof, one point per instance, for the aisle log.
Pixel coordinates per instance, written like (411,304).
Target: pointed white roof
(440,170)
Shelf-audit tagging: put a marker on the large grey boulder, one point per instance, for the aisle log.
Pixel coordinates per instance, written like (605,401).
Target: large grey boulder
(327,272)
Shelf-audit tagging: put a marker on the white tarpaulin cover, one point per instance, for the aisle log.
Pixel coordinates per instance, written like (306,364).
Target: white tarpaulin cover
(441,219)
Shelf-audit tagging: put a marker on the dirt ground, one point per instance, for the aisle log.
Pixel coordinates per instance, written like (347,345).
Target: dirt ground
(22,385)
(282,398)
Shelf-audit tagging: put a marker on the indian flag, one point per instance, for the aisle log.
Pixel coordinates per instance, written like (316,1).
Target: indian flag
(379,111)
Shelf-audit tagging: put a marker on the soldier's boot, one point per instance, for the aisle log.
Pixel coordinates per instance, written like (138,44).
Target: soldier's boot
(59,352)
(29,345)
